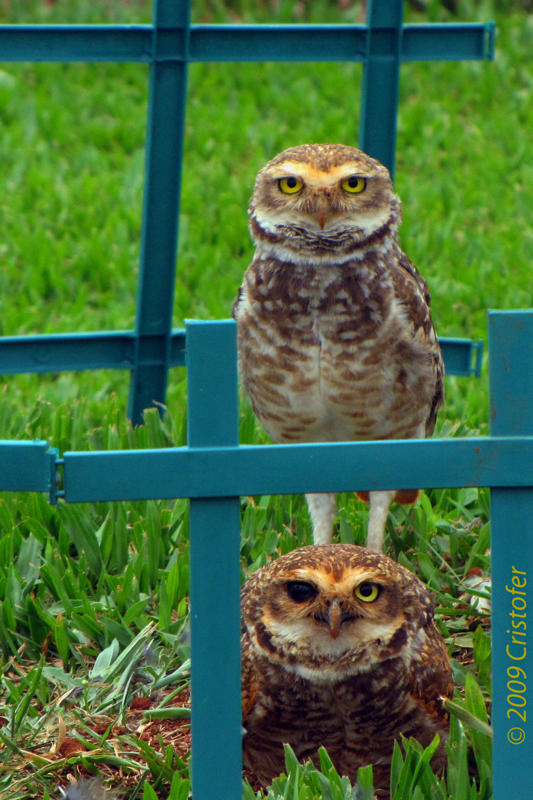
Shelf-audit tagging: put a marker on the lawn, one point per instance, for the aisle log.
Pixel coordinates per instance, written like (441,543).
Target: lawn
(94,598)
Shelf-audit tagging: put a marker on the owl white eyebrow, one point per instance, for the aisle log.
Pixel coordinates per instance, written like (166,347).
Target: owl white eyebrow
(340,172)
(300,574)
(287,175)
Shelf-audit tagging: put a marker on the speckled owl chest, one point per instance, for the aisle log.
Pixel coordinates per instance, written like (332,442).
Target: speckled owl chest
(325,351)
(354,719)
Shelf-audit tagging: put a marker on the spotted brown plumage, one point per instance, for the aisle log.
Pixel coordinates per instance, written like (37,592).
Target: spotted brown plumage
(339,649)
(335,336)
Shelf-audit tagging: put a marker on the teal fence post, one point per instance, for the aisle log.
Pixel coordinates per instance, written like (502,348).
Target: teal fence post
(511,414)
(213,420)
(164,155)
(381,80)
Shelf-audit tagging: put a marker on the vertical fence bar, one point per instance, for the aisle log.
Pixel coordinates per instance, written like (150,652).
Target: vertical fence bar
(164,153)
(511,393)
(381,80)
(215,569)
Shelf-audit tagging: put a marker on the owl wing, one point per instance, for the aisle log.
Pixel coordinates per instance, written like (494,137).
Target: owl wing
(236,304)
(250,683)
(250,688)
(412,292)
(410,268)
(438,397)
(430,676)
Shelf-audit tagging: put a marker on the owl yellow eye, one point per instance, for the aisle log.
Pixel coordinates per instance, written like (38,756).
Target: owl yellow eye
(290,185)
(354,184)
(301,591)
(367,591)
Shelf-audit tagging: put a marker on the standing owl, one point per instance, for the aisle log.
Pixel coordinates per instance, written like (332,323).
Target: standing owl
(335,336)
(339,649)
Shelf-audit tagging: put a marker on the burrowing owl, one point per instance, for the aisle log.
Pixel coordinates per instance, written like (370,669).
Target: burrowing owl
(339,649)
(335,335)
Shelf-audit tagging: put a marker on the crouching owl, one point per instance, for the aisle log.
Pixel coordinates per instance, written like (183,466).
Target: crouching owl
(335,336)
(339,649)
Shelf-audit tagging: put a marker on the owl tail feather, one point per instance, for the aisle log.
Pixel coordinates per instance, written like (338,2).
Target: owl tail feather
(404,496)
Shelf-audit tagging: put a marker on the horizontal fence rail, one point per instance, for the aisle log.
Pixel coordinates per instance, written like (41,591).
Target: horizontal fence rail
(60,352)
(27,467)
(239,43)
(297,468)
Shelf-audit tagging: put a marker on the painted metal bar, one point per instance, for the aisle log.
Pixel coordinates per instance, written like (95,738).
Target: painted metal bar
(449,42)
(164,155)
(78,351)
(239,43)
(511,372)
(66,43)
(297,468)
(462,356)
(303,43)
(511,392)
(26,466)
(61,352)
(214,524)
(471,41)
(212,385)
(381,81)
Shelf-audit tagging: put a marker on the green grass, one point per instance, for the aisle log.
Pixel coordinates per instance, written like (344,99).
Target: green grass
(94,598)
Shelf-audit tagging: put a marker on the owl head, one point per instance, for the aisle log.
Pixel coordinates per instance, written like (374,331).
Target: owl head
(327,612)
(323,191)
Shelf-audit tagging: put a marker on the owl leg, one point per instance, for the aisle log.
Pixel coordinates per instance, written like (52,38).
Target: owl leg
(322,509)
(380,503)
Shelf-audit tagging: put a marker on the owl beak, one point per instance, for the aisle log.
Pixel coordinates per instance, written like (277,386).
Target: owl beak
(322,210)
(334,619)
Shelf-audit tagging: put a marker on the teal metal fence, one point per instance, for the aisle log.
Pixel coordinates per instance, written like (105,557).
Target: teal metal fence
(169,45)
(213,470)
